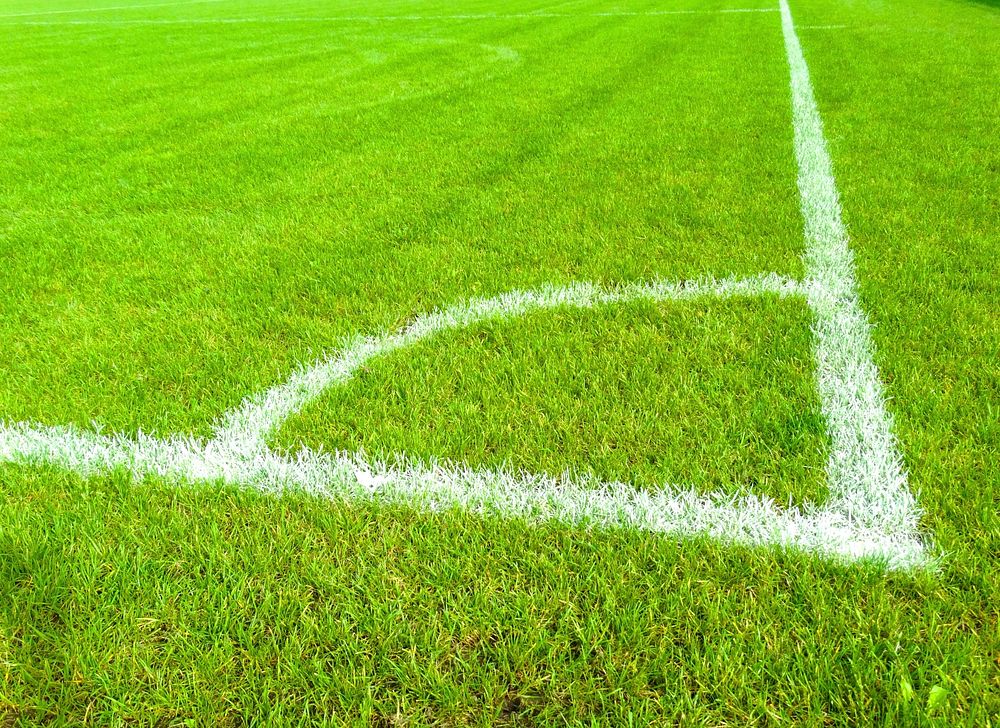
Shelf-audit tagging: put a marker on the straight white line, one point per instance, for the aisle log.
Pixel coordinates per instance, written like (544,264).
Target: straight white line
(742,518)
(36,13)
(246,429)
(865,472)
(374,18)
(654,13)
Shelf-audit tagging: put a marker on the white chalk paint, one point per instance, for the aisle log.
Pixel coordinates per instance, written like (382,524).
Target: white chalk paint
(246,429)
(870,512)
(865,473)
(743,519)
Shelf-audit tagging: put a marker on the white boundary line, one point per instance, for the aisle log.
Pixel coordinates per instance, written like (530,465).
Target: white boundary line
(246,429)
(870,512)
(743,518)
(865,472)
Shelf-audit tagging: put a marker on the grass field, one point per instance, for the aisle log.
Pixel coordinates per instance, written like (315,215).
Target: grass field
(626,443)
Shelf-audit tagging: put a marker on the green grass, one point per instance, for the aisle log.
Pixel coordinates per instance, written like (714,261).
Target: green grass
(189,210)
(197,208)
(716,394)
(163,604)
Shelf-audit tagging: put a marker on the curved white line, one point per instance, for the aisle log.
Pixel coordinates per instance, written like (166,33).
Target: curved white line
(239,455)
(246,429)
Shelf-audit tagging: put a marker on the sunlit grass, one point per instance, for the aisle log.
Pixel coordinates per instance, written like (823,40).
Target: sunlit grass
(715,394)
(190,209)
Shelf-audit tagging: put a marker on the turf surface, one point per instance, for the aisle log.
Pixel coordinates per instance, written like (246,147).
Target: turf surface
(199,207)
(717,394)
(188,209)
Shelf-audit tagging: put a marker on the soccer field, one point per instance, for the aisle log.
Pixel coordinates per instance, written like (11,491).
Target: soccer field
(424,363)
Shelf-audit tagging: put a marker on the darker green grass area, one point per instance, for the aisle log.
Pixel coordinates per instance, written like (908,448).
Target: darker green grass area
(716,394)
(155,605)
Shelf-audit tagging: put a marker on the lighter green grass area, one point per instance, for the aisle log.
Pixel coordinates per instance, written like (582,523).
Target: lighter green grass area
(198,208)
(716,394)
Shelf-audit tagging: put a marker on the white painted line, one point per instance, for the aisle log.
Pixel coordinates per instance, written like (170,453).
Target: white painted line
(247,429)
(112,8)
(870,512)
(742,519)
(373,18)
(865,473)
(657,13)
(239,455)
